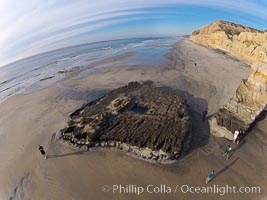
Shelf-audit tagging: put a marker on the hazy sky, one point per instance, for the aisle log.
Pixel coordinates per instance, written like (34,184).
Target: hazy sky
(29,27)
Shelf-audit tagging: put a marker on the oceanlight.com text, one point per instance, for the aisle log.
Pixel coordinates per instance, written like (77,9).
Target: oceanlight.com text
(221,190)
(180,189)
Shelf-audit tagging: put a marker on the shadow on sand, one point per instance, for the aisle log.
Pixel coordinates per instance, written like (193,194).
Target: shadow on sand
(238,147)
(260,118)
(67,154)
(226,167)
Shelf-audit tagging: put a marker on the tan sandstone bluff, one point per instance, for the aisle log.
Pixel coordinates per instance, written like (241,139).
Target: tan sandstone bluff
(250,100)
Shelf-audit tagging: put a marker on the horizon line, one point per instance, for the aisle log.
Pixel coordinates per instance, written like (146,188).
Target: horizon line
(82,44)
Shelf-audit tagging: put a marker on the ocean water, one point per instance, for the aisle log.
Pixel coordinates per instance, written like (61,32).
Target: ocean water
(44,69)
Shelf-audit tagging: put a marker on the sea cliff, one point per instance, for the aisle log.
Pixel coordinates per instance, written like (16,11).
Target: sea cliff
(242,42)
(250,45)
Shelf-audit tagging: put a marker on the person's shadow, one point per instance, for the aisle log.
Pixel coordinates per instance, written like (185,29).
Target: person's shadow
(67,154)
(226,167)
(238,147)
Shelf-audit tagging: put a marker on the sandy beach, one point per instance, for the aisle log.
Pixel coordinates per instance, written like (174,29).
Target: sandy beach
(31,119)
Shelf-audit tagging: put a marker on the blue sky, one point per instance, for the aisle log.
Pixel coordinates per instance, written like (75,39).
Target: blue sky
(30,27)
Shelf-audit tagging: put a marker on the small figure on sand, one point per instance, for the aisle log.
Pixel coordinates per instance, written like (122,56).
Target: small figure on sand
(42,151)
(227,151)
(236,134)
(210,176)
(195,64)
(204,115)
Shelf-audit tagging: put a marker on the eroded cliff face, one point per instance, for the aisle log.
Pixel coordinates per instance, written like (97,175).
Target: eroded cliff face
(242,42)
(245,106)
(251,95)
(137,118)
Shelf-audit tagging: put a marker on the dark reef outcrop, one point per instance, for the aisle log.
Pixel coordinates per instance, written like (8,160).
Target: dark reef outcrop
(137,118)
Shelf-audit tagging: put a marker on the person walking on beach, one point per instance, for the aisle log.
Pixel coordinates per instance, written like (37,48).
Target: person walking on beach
(236,134)
(210,176)
(42,151)
(227,151)
(204,114)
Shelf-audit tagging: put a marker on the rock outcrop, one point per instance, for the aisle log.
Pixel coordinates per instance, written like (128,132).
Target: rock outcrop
(138,118)
(251,96)
(247,104)
(239,41)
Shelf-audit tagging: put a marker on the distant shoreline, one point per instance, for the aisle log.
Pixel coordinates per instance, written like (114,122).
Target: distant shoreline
(83,44)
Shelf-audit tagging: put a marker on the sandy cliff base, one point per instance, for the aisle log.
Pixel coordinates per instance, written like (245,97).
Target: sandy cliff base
(32,119)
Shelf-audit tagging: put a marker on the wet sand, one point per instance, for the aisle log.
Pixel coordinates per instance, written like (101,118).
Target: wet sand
(32,119)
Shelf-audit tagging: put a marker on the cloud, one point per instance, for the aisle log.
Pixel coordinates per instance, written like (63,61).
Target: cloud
(34,26)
